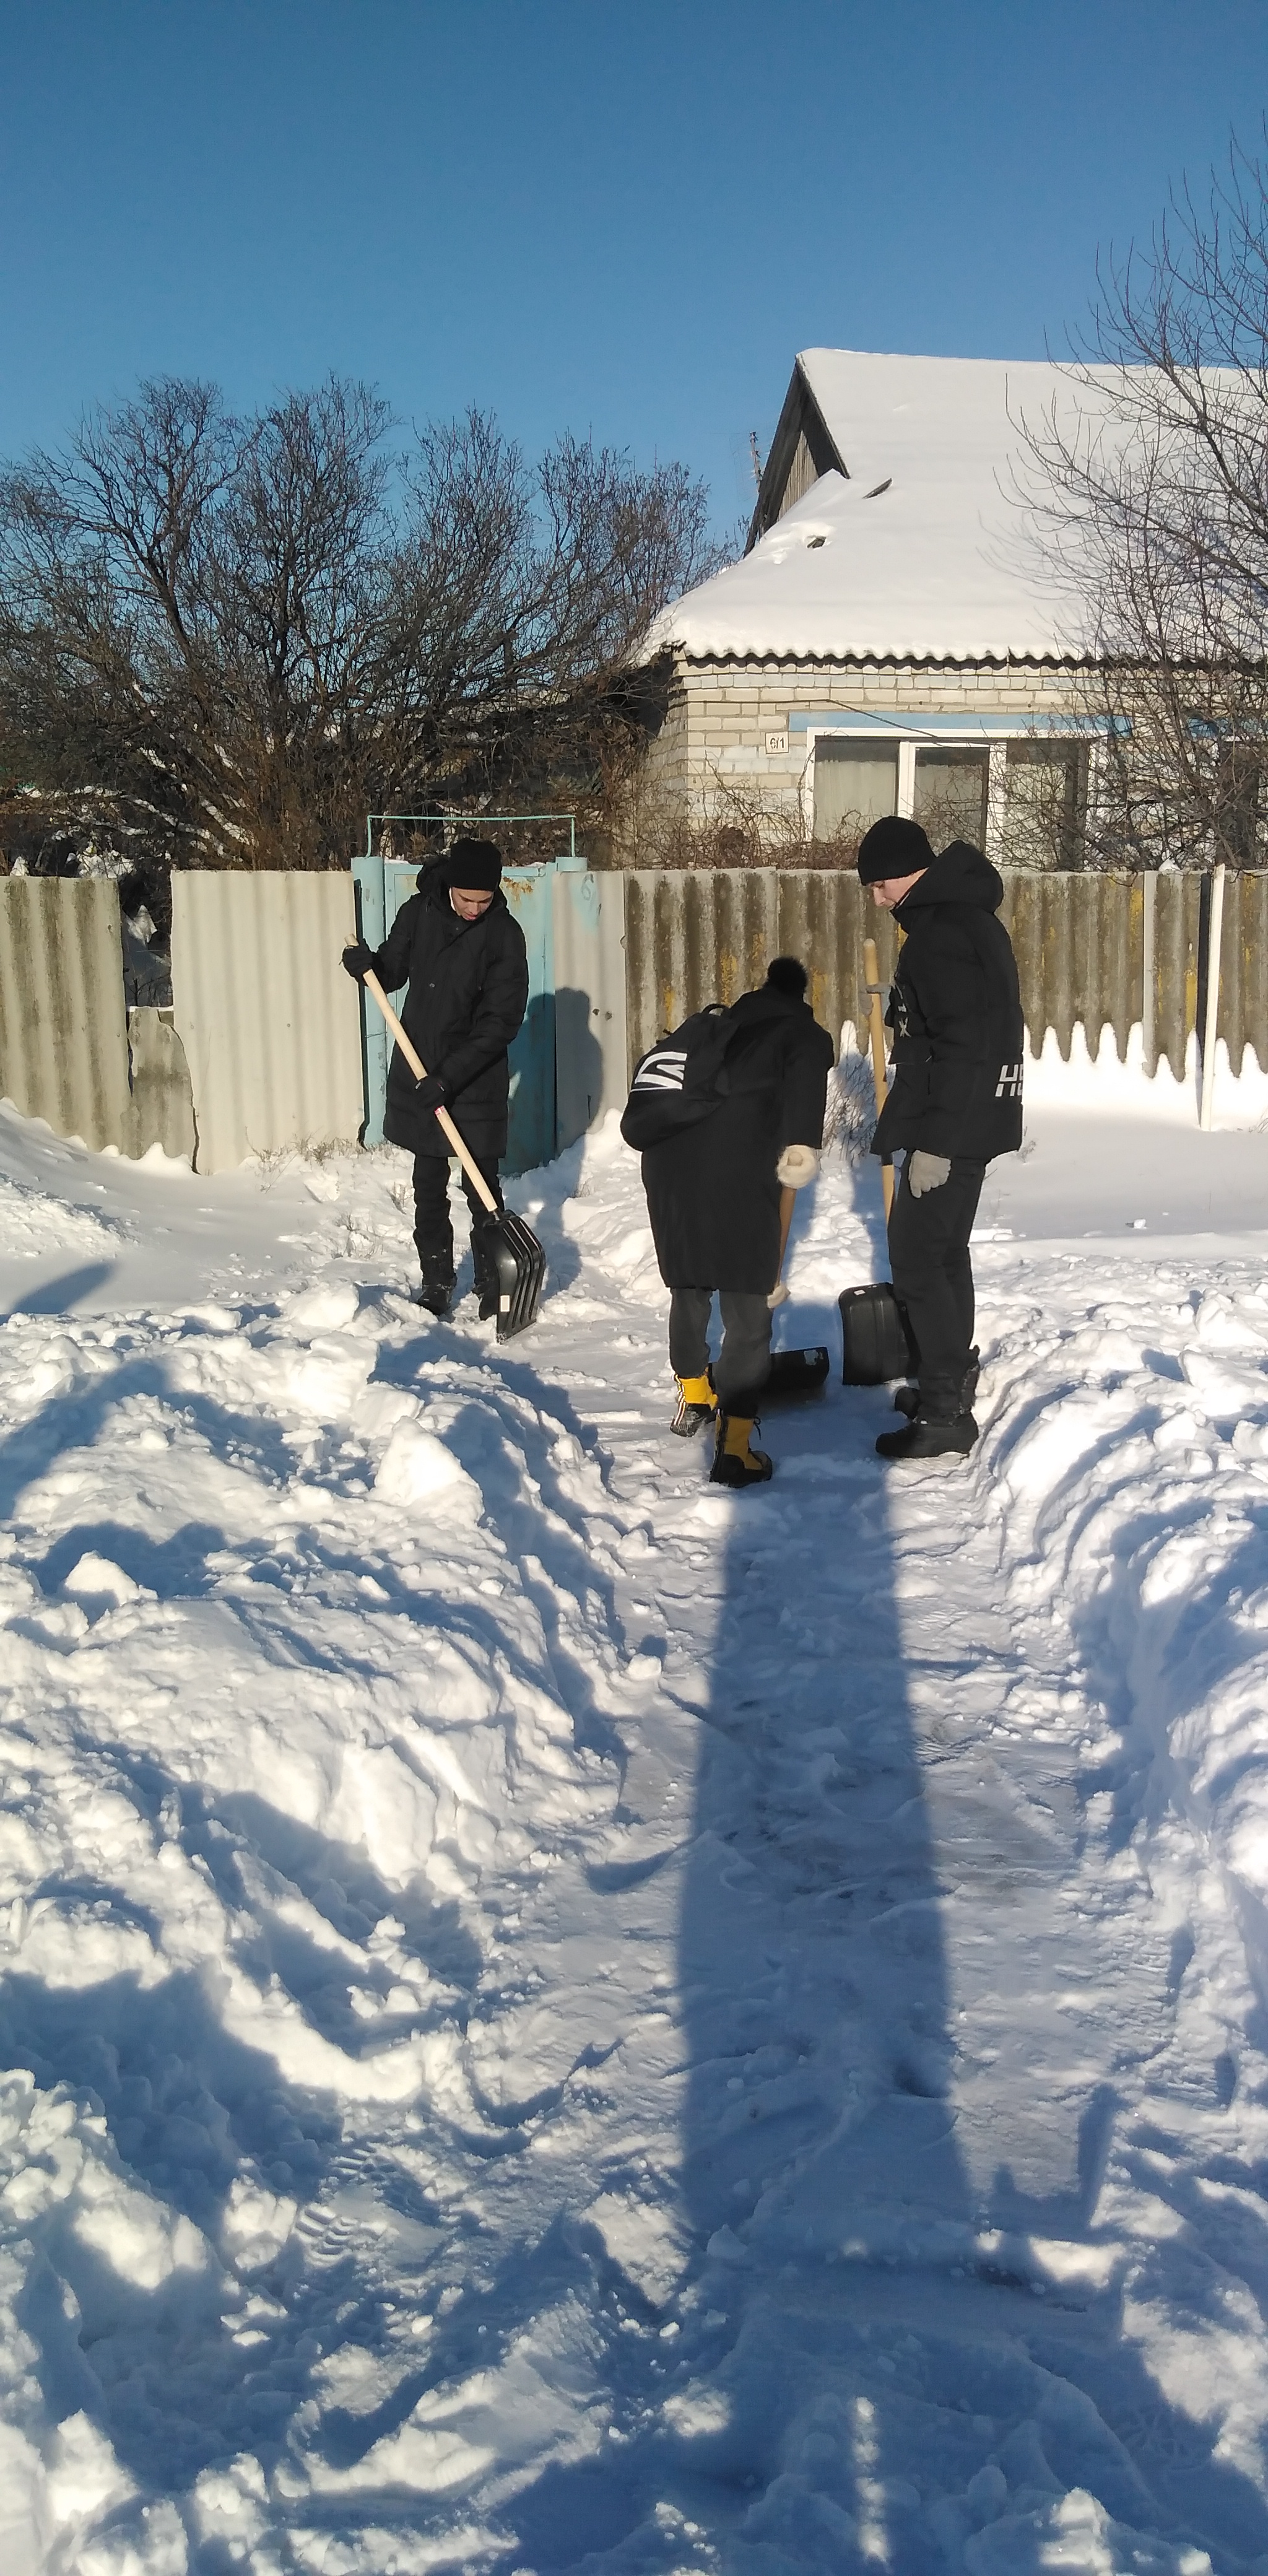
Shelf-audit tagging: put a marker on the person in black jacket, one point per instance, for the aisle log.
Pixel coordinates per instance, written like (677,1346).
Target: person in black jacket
(713,1196)
(461,951)
(958,1041)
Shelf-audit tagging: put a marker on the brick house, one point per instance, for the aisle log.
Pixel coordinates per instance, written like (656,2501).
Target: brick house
(883,645)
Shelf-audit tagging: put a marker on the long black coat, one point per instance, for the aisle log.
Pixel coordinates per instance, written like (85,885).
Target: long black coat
(468,992)
(955,1012)
(712,1194)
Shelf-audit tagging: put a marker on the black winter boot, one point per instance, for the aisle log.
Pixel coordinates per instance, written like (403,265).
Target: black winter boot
(930,1435)
(435,1289)
(907,1398)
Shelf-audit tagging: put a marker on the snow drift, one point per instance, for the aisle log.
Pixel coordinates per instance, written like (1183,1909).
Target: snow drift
(555,2017)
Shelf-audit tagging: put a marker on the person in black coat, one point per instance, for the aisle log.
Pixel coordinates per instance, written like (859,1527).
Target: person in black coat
(714,1199)
(958,1041)
(462,953)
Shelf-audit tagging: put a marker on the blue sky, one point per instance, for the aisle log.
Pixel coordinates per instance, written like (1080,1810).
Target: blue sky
(615,219)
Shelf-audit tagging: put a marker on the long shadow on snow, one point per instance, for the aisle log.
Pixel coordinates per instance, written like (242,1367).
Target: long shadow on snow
(815,2032)
(190,2110)
(851,2353)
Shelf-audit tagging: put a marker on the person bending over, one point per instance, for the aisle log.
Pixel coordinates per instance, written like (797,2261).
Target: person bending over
(713,1196)
(461,951)
(958,1041)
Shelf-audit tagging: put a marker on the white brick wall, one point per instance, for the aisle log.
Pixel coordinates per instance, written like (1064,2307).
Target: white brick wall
(720,714)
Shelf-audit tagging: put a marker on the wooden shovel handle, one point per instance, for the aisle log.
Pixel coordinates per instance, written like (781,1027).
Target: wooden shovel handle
(876,1028)
(419,1071)
(787,1202)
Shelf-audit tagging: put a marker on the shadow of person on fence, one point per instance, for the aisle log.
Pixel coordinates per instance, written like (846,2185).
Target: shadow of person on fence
(578,1066)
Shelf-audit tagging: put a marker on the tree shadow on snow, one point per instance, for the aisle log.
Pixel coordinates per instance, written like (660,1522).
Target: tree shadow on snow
(61,1295)
(75,1416)
(192,2112)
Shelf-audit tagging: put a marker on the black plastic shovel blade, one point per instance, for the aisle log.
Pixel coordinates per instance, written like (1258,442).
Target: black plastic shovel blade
(795,1374)
(515,1267)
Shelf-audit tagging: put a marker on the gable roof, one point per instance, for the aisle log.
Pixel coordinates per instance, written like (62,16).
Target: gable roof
(909,547)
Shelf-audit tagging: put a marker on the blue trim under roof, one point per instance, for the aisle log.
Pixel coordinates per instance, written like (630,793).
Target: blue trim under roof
(920,727)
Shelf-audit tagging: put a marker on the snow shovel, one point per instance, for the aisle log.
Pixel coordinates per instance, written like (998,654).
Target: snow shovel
(511,1249)
(792,1373)
(876,1031)
(876,1342)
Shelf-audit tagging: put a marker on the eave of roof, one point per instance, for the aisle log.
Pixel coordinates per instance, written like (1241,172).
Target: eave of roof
(794,660)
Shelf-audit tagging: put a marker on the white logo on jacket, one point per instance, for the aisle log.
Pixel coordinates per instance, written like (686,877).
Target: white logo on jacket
(662,1069)
(1008,1086)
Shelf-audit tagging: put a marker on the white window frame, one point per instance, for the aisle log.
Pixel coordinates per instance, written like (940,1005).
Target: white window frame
(913,732)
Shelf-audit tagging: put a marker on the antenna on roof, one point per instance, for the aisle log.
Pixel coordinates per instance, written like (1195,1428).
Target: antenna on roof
(756,454)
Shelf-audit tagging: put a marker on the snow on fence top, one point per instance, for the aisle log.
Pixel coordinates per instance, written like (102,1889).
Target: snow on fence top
(919,549)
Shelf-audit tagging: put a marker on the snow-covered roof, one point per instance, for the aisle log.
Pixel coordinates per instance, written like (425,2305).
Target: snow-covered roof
(916,551)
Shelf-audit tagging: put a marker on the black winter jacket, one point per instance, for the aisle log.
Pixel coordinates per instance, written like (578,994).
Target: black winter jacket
(712,1195)
(468,992)
(955,1012)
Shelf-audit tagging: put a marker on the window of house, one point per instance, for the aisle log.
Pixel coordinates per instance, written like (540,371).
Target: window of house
(854,784)
(1044,786)
(950,799)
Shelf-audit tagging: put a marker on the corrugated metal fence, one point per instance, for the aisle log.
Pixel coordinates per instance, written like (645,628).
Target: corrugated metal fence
(1081,944)
(264,1049)
(69,1050)
(268,1018)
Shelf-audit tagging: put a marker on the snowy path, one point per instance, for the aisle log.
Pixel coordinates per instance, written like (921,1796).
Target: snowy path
(564,2019)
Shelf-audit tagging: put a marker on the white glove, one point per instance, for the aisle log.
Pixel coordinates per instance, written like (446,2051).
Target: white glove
(778,1295)
(797,1165)
(927,1172)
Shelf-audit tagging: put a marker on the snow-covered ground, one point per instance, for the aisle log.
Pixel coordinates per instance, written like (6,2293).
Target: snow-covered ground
(558,2018)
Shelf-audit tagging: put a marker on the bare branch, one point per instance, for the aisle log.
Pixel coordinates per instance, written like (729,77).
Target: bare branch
(232,638)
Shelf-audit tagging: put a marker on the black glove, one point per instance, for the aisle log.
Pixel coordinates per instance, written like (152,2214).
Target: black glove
(358,961)
(431,1092)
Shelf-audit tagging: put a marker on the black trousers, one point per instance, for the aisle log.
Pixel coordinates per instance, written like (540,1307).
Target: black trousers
(933,1278)
(433,1232)
(743,1364)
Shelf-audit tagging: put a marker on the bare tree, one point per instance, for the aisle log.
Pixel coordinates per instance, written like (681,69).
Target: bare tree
(226,640)
(1148,482)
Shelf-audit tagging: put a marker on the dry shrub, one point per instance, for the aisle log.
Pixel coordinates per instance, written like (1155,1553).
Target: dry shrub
(850,1122)
(740,830)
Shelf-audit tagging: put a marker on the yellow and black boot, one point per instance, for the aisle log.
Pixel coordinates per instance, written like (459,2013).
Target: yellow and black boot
(735,1461)
(696,1405)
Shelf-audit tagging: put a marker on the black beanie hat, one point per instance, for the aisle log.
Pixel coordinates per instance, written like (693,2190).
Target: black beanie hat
(895,847)
(788,975)
(476,864)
